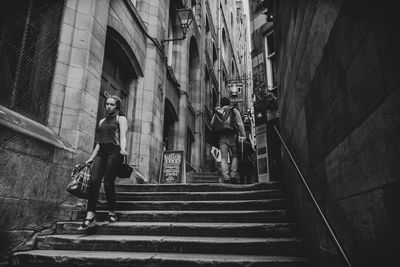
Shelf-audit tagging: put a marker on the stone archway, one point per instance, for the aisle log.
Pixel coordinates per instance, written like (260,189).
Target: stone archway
(120,70)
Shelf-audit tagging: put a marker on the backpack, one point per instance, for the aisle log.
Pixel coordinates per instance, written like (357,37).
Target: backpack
(223,120)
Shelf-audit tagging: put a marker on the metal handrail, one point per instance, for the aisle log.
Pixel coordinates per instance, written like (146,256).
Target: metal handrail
(333,236)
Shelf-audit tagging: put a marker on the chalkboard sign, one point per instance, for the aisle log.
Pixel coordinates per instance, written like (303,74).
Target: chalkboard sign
(171,168)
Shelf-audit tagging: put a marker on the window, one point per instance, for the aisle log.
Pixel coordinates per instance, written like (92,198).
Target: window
(189,143)
(29,36)
(270,60)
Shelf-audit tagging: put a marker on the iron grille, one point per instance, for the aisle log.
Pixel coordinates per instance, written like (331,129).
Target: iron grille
(29,38)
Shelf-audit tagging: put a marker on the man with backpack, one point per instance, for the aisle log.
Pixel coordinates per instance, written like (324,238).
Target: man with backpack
(225,123)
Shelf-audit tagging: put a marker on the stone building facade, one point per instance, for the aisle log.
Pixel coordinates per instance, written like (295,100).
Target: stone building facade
(61,59)
(339,103)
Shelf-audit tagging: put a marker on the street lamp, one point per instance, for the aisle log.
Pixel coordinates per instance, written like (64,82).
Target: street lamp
(185,16)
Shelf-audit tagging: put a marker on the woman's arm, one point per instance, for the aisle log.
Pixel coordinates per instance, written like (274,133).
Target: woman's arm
(123,126)
(96,149)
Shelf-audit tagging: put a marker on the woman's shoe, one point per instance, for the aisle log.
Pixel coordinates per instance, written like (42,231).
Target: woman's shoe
(87,224)
(112,218)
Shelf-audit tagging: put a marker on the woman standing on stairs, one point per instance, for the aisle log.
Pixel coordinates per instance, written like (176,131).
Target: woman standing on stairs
(106,157)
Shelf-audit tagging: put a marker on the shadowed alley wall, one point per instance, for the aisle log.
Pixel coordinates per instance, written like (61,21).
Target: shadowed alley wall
(339,101)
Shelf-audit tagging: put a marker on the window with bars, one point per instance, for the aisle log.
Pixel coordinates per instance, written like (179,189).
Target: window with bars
(29,37)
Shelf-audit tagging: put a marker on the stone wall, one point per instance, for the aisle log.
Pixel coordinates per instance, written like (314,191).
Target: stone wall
(35,168)
(339,100)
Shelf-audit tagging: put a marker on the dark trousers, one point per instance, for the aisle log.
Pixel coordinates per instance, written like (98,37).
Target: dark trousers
(104,165)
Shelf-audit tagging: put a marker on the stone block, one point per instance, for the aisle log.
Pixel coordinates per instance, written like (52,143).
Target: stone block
(67,34)
(97,48)
(70,134)
(85,143)
(95,66)
(300,130)
(84,22)
(75,82)
(90,106)
(331,127)
(301,45)
(365,87)
(82,41)
(56,183)
(92,84)
(79,58)
(327,77)
(318,183)
(54,119)
(20,143)
(60,79)
(364,162)
(101,12)
(388,50)
(22,176)
(368,226)
(348,33)
(9,212)
(63,157)
(72,4)
(64,53)
(15,240)
(86,7)
(99,31)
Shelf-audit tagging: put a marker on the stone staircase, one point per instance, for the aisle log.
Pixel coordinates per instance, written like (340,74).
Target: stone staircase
(179,225)
(202,177)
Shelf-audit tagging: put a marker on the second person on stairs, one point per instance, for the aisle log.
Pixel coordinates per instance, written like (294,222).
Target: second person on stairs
(107,157)
(227,140)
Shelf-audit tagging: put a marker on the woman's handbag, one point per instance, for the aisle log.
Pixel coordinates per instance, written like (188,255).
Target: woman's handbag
(80,178)
(124,170)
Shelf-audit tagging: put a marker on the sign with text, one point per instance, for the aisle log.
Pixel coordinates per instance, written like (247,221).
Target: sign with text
(262,153)
(171,168)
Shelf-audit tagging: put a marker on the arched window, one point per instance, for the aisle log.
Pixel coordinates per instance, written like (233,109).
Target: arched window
(224,44)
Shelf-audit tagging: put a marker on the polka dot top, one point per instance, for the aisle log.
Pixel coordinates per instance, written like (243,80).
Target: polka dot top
(108,131)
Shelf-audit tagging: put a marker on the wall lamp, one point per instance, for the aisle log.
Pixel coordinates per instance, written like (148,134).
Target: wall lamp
(185,17)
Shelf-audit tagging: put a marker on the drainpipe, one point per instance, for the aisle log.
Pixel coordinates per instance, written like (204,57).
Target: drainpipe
(219,53)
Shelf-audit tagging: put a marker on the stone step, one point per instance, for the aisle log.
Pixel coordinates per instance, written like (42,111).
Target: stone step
(173,244)
(203,181)
(185,229)
(203,173)
(53,258)
(265,204)
(203,177)
(254,216)
(191,196)
(196,187)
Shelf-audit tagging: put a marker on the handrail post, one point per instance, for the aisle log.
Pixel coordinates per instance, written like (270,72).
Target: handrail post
(332,234)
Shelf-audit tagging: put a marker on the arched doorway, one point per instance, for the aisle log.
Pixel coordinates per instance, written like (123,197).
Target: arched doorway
(194,146)
(170,124)
(118,72)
